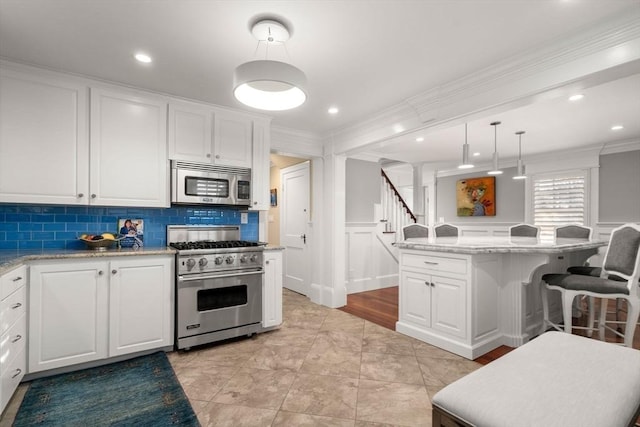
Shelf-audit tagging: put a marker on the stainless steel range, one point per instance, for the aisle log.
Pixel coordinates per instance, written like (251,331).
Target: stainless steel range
(218,284)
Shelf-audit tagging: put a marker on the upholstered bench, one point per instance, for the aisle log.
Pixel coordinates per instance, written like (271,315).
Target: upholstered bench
(556,379)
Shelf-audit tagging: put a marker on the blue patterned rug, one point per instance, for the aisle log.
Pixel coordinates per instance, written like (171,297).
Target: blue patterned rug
(139,392)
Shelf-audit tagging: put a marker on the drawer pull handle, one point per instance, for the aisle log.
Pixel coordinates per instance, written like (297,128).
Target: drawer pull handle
(17,338)
(430,262)
(18,372)
(17,279)
(16,305)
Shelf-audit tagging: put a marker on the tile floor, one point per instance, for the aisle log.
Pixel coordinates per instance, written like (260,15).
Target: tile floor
(322,367)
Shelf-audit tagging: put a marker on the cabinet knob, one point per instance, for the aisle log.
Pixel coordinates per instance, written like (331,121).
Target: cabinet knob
(80,195)
(217,156)
(114,271)
(255,203)
(427,283)
(100,273)
(266,262)
(433,285)
(16,305)
(93,196)
(208,155)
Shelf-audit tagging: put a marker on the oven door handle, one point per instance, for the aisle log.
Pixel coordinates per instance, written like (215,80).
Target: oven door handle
(218,276)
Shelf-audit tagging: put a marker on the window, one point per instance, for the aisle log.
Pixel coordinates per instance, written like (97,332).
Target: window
(559,199)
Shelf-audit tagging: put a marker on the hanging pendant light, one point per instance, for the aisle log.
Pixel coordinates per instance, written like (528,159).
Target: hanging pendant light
(465,152)
(520,166)
(266,84)
(495,170)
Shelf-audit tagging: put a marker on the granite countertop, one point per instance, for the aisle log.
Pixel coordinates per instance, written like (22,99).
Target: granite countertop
(273,248)
(487,245)
(10,259)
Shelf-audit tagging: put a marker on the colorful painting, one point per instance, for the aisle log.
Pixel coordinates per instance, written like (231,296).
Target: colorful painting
(476,196)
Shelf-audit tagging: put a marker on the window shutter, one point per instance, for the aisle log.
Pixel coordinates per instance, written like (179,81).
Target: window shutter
(558,200)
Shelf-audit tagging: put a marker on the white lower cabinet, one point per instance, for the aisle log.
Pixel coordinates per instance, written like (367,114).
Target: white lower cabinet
(272,291)
(13,332)
(89,310)
(433,299)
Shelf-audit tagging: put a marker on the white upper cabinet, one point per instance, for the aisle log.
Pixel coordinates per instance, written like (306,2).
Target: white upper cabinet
(233,139)
(44,146)
(199,133)
(260,171)
(128,163)
(190,132)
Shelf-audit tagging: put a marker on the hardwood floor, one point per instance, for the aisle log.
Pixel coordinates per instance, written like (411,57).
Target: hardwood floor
(381,307)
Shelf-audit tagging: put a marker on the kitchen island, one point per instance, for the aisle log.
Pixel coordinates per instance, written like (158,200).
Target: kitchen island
(469,295)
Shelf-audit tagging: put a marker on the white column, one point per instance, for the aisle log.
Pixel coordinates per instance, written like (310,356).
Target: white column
(331,289)
(418,194)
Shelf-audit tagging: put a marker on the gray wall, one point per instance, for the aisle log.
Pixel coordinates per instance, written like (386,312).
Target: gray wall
(620,187)
(362,190)
(509,199)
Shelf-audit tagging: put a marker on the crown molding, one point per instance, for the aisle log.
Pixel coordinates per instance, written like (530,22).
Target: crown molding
(582,59)
(295,142)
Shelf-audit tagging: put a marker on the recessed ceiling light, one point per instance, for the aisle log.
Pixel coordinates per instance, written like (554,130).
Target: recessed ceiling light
(476,154)
(419,139)
(576,97)
(143,57)
(333,110)
(617,127)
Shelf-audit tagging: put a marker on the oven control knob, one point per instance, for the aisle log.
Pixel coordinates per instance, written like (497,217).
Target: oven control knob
(254,258)
(218,260)
(229,260)
(203,262)
(243,259)
(190,263)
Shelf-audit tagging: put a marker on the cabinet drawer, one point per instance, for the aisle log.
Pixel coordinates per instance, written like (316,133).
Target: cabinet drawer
(12,280)
(12,308)
(11,377)
(13,341)
(435,263)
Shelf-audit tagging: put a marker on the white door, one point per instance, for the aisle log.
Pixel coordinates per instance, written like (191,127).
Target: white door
(294,216)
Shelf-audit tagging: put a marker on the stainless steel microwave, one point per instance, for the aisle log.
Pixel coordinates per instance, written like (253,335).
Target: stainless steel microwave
(204,184)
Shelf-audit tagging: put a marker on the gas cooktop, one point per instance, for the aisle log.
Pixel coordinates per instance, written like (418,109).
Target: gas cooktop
(213,244)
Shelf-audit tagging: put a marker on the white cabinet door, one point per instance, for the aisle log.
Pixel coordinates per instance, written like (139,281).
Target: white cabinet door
(415,298)
(261,165)
(190,132)
(232,139)
(272,291)
(43,140)
(141,300)
(448,305)
(67,314)
(128,164)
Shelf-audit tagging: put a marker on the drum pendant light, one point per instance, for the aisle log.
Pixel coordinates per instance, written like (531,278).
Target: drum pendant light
(520,166)
(266,84)
(465,152)
(495,170)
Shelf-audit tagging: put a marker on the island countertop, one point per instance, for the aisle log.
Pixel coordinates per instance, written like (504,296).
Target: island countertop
(498,244)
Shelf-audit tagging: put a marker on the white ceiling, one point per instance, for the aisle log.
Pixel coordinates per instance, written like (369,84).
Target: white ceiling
(361,56)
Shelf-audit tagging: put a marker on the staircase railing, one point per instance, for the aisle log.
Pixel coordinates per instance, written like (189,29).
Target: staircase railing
(396,213)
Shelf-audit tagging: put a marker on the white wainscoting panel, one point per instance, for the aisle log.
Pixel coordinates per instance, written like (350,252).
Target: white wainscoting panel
(370,265)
